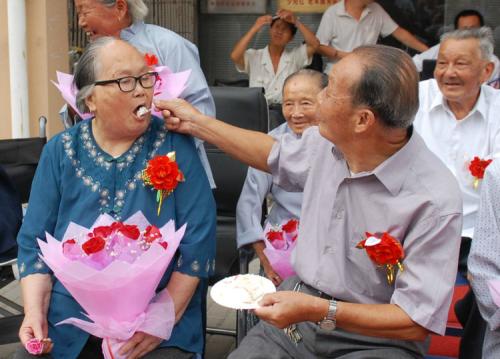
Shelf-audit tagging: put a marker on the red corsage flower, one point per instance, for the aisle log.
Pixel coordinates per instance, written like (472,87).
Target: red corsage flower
(163,174)
(93,245)
(384,251)
(477,167)
(151,59)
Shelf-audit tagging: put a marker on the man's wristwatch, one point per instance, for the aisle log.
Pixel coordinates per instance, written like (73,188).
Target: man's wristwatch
(330,321)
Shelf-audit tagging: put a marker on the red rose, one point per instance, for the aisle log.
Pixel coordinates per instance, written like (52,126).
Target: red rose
(151,59)
(93,245)
(151,234)
(129,230)
(387,251)
(163,174)
(478,166)
(290,226)
(277,239)
(103,231)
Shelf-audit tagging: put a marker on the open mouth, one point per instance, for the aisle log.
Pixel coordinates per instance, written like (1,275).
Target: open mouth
(141,111)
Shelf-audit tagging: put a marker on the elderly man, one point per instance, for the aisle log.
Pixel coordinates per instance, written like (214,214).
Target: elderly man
(349,24)
(458,119)
(458,115)
(465,19)
(363,170)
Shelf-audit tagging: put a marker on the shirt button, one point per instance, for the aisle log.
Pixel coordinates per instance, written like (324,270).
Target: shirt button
(340,214)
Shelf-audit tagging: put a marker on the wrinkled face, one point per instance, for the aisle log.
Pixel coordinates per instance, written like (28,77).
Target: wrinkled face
(468,22)
(280,32)
(336,113)
(114,109)
(300,102)
(460,70)
(96,19)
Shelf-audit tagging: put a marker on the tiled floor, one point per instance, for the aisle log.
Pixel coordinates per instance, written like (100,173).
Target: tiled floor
(218,346)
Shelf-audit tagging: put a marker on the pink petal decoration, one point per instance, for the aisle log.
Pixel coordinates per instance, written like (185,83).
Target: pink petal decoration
(171,85)
(119,299)
(34,346)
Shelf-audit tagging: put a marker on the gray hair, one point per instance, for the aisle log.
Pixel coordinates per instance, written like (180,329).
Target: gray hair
(320,78)
(87,70)
(483,35)
(388,85)
(137,8)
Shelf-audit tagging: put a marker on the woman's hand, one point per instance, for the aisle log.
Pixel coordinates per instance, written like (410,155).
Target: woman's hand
(139,345)
(287,15)
(35,326)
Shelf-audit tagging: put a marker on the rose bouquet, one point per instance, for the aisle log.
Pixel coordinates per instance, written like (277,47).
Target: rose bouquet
(111,261)
(169,85)
(280,241)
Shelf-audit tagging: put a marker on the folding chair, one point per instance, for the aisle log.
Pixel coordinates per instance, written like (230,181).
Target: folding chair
(246,108)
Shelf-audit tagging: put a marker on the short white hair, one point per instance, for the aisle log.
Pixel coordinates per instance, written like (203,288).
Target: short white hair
(137,8)
(483,34)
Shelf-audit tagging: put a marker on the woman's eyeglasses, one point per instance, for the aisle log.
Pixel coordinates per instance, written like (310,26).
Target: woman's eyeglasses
(129,83)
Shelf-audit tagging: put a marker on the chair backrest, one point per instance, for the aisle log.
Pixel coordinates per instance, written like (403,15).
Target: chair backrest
(19,158)
(242,107)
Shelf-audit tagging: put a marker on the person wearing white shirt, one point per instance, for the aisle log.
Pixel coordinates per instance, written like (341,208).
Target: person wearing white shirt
(270,66)
(458,120)
(465,19)
(299,109)
(458,114)
(352,23)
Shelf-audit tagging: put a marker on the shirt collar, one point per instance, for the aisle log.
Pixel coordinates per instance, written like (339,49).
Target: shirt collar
(480,106)
(129,32)
(393,171)
(341,11)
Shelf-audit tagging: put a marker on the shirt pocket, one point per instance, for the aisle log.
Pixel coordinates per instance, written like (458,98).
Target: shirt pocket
(365,277)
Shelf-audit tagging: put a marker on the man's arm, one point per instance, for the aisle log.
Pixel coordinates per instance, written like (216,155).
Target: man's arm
(409,40)
(250,147)
(378,320)
(238,53)
(310,38)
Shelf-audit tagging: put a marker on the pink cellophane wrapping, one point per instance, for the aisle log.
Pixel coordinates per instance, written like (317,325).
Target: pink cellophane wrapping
(170,85)
(279,258)
(119,299)
(494,286)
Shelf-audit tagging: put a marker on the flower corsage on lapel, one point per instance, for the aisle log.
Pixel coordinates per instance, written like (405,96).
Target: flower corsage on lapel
(477,167)
(384,251)
(163,174)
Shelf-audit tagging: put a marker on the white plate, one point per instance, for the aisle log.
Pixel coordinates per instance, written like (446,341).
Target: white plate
(241,291)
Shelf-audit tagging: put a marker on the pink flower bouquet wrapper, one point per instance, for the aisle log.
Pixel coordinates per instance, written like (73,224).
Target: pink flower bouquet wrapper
(494,286)
(279,258)
(169,86)
(120,299)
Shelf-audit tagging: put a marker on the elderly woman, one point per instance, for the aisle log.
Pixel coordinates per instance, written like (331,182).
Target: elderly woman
(299,109)
(125,19)
(93,168)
